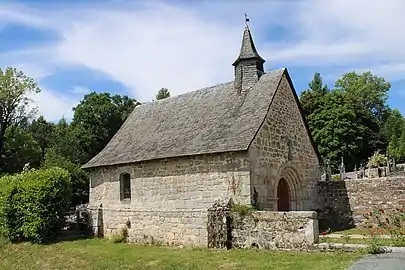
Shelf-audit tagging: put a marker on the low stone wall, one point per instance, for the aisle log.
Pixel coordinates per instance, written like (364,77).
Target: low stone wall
(275,230)
(242,227)
(343,204)
(167,227)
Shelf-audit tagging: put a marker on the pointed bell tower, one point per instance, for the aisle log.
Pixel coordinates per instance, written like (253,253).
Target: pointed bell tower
(248,65)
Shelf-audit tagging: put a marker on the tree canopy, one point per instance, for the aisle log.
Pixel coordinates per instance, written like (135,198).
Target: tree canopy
(15,91)
(97,118)
(352,120)
(162,93)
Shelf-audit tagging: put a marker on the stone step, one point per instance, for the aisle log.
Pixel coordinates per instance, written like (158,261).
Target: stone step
(353,236)
(354,247)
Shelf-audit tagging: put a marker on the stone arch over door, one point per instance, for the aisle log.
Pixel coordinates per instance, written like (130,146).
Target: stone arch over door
(288,190)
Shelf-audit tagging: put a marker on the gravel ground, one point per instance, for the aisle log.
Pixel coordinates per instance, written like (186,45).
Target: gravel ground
(387,261)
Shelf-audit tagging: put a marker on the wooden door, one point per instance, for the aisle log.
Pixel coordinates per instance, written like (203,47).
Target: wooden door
(283,196)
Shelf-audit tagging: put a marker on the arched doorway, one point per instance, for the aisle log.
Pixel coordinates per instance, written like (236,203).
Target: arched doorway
(283,196)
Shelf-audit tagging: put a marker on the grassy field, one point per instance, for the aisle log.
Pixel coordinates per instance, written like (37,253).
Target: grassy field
(101,254)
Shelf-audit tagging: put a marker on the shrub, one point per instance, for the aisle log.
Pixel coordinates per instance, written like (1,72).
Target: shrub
(385,222)
(120,237)
(32,204)
(79,178)
(376,160)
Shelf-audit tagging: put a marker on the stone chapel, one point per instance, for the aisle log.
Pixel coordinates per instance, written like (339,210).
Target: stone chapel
(172,159)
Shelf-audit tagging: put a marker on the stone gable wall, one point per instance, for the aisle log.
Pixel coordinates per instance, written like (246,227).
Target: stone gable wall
(343,204)
(271,159)
(169,197)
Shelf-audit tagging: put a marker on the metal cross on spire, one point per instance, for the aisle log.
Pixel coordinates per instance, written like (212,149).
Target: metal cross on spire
(246,19)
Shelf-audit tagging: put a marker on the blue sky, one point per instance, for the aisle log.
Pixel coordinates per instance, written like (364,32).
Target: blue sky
(135,47)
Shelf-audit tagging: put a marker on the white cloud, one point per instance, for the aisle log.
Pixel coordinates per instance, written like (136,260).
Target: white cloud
(53,106)
(184,47)
(150,46)
(346,32)
(80,90)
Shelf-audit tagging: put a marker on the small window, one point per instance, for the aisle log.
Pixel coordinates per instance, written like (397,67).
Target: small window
(125,186)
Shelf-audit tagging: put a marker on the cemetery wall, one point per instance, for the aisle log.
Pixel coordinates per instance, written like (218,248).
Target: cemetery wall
(344,204)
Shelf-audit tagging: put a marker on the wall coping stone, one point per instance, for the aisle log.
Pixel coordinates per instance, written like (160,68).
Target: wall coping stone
(290,214)
(185,210)
(385,178)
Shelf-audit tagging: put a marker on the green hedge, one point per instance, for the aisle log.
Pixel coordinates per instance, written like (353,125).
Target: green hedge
(32,204)
(79,178)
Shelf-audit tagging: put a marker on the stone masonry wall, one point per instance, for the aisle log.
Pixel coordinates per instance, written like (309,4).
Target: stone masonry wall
(342,204)
(246,75)
(238,226)
(169,197)
(282,148)
(275,230)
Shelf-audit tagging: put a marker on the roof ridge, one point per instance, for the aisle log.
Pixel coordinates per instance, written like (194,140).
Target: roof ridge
(186,93)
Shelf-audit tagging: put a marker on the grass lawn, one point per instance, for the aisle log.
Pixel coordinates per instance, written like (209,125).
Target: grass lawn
(101,254)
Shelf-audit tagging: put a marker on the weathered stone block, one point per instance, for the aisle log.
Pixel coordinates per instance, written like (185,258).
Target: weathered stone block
(275,230)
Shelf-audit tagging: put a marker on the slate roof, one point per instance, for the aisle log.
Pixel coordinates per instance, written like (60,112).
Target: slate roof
(209,120)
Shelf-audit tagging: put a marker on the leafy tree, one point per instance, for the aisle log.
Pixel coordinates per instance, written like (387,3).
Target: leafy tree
(394,132)
(42,131)
(393,125)
(15,88)
(162,93)
(335,130)
(20,149)
(97,118)
(66,142)
(366,91)
(368,95)
(349,119)
(311,99)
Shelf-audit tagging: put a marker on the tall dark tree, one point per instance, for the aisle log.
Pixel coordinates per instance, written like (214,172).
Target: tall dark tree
(311,99)
(20,149)
(335,130)
(162,93)
(66,142)
(97,118)
(42,131)
(394,132)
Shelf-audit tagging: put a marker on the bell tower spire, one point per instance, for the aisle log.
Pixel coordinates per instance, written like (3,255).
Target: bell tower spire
(249,64)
